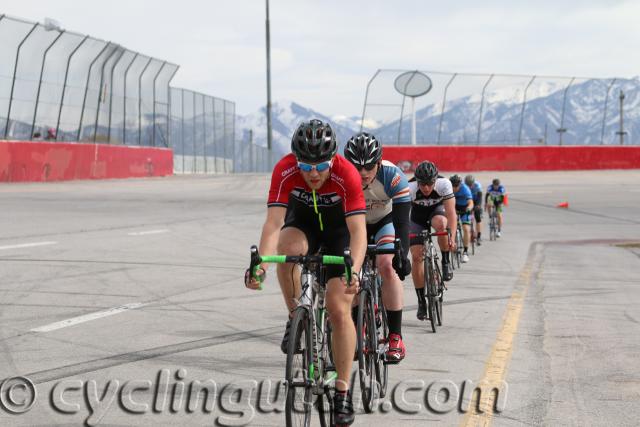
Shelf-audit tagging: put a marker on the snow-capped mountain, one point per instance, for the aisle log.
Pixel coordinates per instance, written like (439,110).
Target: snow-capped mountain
(501,118)
(285,118)
(502,114)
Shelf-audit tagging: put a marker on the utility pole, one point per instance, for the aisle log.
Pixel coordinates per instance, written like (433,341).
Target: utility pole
(621,132)
(269,130)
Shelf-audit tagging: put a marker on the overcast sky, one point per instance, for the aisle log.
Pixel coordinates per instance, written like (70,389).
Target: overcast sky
(324,52)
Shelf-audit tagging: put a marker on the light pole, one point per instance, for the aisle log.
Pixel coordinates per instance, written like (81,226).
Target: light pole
(269,130)
(621,132)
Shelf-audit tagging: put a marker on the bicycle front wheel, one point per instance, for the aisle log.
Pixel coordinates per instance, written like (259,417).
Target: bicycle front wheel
(299,370)
(430,291)
(382,369)
(367,348)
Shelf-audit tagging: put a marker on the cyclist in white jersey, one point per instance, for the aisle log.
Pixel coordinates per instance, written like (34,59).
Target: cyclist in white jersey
(386,193)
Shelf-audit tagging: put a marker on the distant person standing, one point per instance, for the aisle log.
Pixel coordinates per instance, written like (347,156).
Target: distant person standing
(51,134)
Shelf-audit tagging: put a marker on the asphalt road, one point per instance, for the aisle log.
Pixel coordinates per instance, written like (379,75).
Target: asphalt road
(117,296)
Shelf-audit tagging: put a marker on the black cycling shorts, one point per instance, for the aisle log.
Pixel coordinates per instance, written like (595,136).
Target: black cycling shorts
(419,224)
(477,212)
(333,241)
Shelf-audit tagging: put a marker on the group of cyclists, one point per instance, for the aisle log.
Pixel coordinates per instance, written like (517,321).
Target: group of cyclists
(319,198)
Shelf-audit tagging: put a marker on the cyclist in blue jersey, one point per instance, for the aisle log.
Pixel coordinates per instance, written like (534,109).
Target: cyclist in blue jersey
(386,193)
(464,207)
(476,193)
(495,196)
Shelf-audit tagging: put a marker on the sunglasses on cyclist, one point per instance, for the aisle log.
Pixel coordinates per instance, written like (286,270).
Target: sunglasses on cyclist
(429,183)
(320,167)
(369,167)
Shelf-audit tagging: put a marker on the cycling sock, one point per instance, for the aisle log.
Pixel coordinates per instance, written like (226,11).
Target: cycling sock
(395,321)
(479,234)
(465,249)
(420,294)
(342,392)
(445,257)
(354,314)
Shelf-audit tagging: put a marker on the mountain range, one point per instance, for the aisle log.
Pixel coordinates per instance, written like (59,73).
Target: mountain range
(501,118)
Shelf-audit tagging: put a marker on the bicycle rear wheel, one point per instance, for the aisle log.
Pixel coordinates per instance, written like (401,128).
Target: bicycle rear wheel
(431,300)
(367,349)
(298,370)
(440,292)
(382,369)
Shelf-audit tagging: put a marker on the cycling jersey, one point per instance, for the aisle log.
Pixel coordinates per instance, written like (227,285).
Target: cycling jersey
(463,195)
(388,188)
(422,206)
(340,196)
(496,193)
(476,193)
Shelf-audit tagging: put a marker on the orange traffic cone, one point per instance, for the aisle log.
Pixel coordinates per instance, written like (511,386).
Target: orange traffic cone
(506,200)
(563,205)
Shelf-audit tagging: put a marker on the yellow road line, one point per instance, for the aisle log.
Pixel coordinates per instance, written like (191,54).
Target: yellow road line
(497,363)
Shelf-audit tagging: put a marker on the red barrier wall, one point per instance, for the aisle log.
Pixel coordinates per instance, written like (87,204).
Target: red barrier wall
(512,158)
(56,161)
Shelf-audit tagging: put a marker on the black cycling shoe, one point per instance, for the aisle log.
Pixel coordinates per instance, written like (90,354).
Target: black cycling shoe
(284,345)
(342,409)
(422,310)
(447,274)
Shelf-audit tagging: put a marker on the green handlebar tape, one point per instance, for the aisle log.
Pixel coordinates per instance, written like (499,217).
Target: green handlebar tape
(332,259)
(277,259)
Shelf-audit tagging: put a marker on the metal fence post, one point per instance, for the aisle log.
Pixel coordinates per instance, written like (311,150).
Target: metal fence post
(366,96)
(484,88)
(524,103)
(193,126)
(86,87)
(124,102)
(204,132)
(140,101)
(64,86)
(44,60)
(444,100)
(104,64)
(604,117)
(169,107)
(13,82)
(153,129)
(182,127)
(561,130)
(111,94)
(215,145)
(224,132)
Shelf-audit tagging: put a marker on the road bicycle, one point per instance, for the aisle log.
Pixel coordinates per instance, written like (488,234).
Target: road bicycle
(373,328)
(433,280)
(310,373)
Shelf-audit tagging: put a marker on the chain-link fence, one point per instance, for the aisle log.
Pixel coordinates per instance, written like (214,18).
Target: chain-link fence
(464,108)
(57,85)
(63,86)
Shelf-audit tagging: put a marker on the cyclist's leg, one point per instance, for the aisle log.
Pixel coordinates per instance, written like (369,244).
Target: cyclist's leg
(293,241)
(477,212)
(466,230)
(499,212)
(392,292)
(416,245)
(339,308)
(439,223)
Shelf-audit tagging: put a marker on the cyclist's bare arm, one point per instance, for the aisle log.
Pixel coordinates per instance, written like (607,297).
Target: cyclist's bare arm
(452,217)
(357,240)
(269,238)
(470,205)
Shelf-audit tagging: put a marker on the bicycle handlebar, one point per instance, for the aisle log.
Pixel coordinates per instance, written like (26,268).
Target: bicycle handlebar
(256,260)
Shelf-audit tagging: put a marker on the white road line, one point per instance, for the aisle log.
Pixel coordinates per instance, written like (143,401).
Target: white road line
(144,233)
(27,245)
(531,192)
(87,317)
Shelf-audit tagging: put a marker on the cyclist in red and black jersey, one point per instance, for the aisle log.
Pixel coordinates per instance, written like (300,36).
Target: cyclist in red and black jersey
(316,199)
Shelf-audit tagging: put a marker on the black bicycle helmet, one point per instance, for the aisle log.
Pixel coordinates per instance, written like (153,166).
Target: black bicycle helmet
(314,141)
(426,172)
(455,180)
(496,182)
(469,180)
(363,149)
